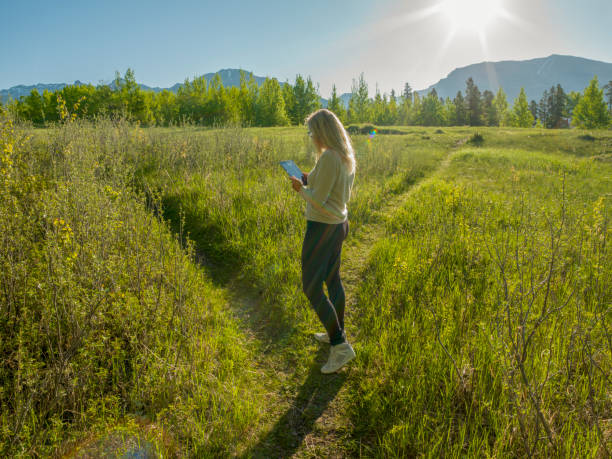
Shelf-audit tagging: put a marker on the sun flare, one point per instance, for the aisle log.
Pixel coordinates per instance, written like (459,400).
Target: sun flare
(472,15)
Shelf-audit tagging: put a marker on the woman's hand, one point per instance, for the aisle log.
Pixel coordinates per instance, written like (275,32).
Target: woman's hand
(296,183)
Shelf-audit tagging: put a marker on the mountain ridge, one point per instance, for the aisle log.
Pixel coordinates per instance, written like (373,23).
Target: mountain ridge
(535,75)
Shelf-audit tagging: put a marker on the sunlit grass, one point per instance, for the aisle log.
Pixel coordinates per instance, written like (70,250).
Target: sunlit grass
(484,251)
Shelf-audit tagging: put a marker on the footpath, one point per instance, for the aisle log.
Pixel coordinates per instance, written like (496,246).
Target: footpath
(306,415)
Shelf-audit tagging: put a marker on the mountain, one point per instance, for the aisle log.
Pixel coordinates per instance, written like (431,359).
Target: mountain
(229,77)
(535,75)
(22,90)
(344,98)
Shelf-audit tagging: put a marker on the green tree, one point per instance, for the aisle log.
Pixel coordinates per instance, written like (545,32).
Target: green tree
(501,107)
(572,100)
(289,99)
(431,110)
(591,111)
(165,108)
(557,107)
(33,107)
(219,107)
(248,94)
(191,98)
(608,88)
(50,106)
(460,111)
(270,108)
(489,111)
(473,103)
(335,105)
(404,114)
(450,112)
(533,108)
(391,110)
(543,108)
(359,104)
(131,98)
(521,115)
(416,108)
(306,100)
(377,108)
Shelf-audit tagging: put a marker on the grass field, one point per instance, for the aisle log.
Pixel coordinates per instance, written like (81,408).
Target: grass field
(151,285)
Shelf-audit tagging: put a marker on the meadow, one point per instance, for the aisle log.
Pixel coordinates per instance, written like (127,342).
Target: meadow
(151,286)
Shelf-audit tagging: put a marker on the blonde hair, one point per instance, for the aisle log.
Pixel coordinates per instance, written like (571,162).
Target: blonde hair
(329,133)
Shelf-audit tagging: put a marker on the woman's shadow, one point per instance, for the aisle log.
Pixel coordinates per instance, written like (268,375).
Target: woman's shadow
(312,400)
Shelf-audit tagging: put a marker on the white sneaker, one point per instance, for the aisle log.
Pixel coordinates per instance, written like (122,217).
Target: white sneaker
(339,356)
(322,337)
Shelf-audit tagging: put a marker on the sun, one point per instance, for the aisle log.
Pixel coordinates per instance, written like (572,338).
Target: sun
(471,15)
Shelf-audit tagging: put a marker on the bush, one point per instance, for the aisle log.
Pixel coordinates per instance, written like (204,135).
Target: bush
(476,139)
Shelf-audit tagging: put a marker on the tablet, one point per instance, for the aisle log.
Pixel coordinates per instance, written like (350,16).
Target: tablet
(292,169)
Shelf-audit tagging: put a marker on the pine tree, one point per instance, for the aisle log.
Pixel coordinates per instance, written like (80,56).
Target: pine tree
(460,111)
(335,105)
(521,116)
(533,108)
(608,89)
(405,106)
(489,111)
(377,113)
(473,103)
(359,104)
(557,107)
(591,111)
(543,113)
(391,112)
(407,93)
(305,100)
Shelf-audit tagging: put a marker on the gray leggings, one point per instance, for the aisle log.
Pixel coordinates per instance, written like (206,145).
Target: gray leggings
(321,263)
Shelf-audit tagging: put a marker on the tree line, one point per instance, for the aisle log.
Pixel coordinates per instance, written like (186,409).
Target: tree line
(209,103)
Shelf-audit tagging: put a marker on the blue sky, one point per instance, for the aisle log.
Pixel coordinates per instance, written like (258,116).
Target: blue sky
(391,41)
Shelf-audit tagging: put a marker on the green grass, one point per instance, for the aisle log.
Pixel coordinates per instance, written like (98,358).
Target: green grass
(505,245)
(467,344)
(104,314)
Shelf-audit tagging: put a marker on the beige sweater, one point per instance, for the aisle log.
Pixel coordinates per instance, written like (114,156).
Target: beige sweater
(329,189)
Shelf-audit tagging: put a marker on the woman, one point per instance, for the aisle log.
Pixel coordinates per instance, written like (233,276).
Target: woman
(328,190)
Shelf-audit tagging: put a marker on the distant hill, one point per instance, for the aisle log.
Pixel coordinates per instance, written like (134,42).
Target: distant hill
(345,97)
(229,77)
(535,75)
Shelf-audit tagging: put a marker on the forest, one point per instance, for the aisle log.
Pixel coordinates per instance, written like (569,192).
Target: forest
(209,103)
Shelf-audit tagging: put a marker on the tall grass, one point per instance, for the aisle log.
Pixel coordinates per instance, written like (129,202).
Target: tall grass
(485,313)
(241,212)
(103,313)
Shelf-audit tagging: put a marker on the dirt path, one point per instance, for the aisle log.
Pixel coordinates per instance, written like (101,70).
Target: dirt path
(305,414)
(333,426)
